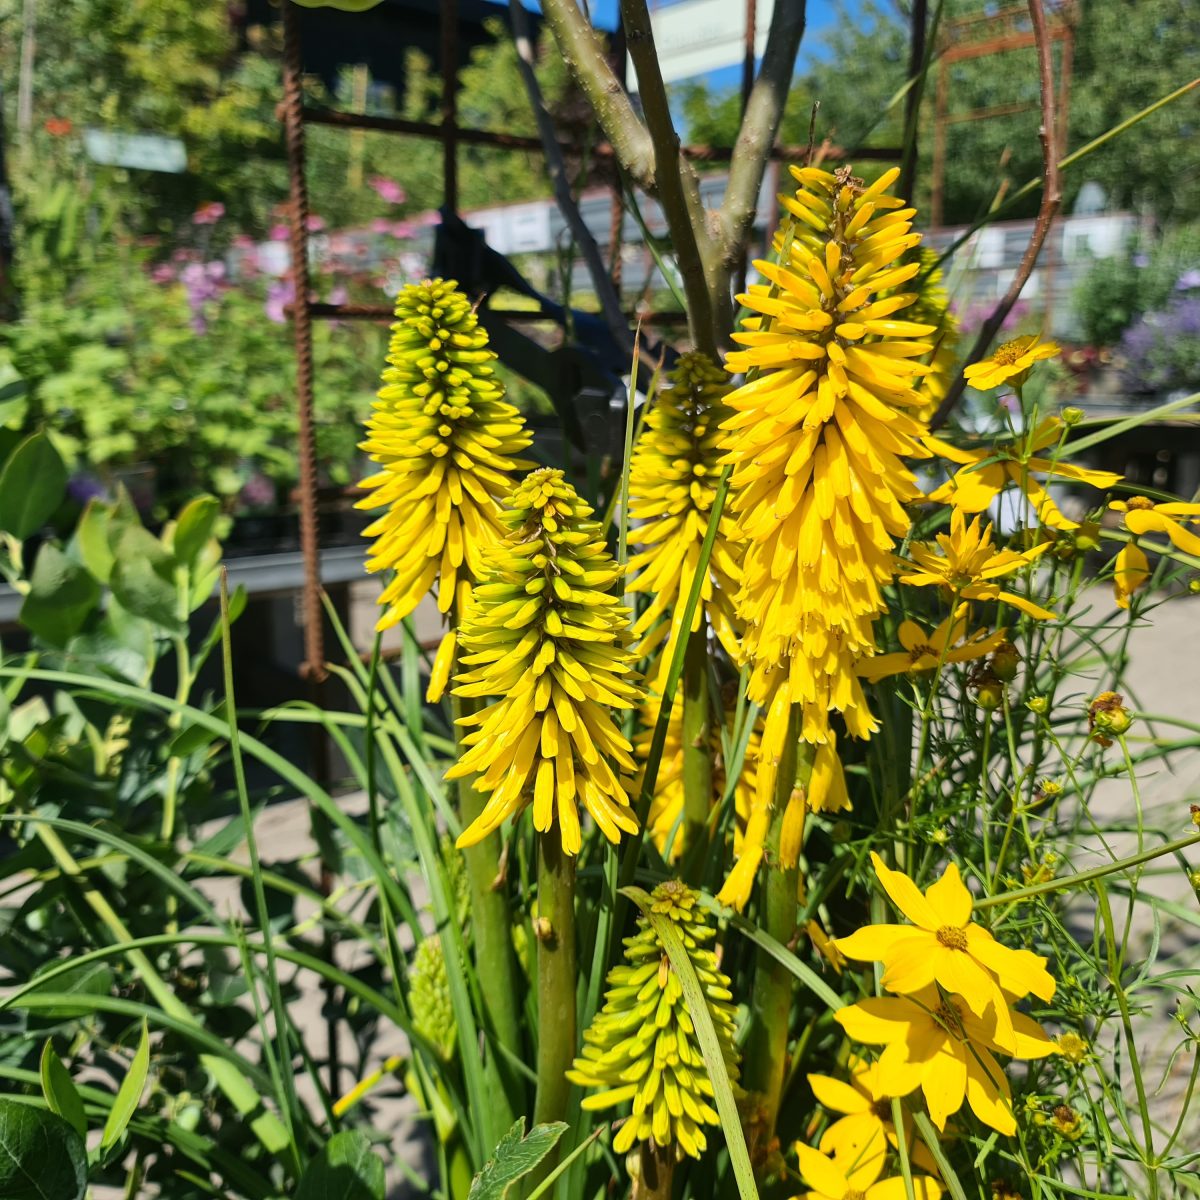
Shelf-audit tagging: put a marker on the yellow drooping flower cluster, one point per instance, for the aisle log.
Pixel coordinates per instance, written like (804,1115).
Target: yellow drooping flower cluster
(817,441)
(951,1009)
(545,635)
(672,482)
(642,1046)
(444,439)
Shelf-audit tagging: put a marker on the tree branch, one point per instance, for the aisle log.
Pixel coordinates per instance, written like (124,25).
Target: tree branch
(764,111)
(610,302)
(1051,202)
(678,186)
(584,55)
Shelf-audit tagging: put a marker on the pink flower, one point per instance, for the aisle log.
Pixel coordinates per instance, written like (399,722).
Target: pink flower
(280,233)
(243,241)
(314,224)
(381,225)
(208,214)
(388,189)
(402,229)
(163,273)
(279,295)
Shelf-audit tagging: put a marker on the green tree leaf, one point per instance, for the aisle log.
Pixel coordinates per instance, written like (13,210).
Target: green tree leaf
(514,1157)
(32,486)
(41,1156)
(59,1090)
(194,527)
(346,1169)
(129,1093)
(142,579)
(61,595)
(92,539)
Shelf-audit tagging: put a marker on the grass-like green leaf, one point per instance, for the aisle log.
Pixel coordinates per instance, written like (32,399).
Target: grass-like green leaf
(129,1093)
(58,1087)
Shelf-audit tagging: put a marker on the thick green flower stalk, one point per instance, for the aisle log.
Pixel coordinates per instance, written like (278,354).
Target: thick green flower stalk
(546,635)
(642,1046)
(672,481)
(444,440)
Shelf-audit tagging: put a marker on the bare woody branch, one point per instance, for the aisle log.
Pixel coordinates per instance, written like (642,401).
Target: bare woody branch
(760,125)
(610,301)
(678,187)
(1051,202)
(584,55)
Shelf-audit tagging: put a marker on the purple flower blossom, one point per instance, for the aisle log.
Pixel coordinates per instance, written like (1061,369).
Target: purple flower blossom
(1188,280)
(279,294)
(1161,352)
(388,189)
(257,492)
(204,282)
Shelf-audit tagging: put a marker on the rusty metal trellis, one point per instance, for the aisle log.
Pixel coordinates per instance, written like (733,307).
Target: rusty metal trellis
(304,311)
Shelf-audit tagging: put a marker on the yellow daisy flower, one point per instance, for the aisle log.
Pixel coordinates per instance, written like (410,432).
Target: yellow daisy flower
(642,1045)
(1130,573)
(948,643)
(1010,363)
(444,440)
(672,481)
(973,488)
(967,562)
(831,1179)
(1142,515)
(945,946)
(544,633)
(817,442)
(865,1130)
(935,1042)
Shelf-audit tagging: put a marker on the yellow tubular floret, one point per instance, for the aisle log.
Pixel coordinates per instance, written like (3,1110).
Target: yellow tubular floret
(545,635)
(672,481)
(816,440)
(443,438)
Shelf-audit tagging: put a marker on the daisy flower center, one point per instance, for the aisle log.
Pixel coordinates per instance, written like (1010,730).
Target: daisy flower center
(949,1017)
(1008,354)
(952,937)
(1139,502)
(922,650)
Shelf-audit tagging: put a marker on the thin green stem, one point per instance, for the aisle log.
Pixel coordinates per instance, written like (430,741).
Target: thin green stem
(697,743)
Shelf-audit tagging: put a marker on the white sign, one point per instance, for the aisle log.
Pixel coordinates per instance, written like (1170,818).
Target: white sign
(694,37)
(141,151)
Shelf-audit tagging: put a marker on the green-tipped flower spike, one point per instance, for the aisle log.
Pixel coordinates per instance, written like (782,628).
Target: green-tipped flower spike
(444,438)
(673,478)
(642,1046)
(433,1016)
(545,634)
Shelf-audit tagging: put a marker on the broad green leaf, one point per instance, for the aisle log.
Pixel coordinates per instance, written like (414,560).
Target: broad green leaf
(32,486)
(92,538)
(129,1093)
(92,979)
(142,579)
(194,527)
(61,595)
(346,1169)
(514,1157)
(59,1089)
(41,1156)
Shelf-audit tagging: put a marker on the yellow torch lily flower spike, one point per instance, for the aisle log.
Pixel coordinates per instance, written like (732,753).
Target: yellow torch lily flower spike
(672,481)
(444,440)
(816,443)
(544,633)
(944,946)
(973,488)
(966,562)
(642,1045)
